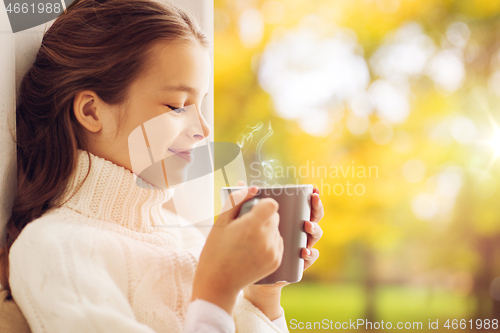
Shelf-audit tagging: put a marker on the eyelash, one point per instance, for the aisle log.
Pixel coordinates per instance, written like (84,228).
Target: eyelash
(175,109)
(181,109)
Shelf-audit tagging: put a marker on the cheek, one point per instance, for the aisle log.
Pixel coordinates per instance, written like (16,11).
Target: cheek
(160,132)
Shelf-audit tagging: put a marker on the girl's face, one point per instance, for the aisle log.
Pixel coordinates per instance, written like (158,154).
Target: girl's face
(177,76)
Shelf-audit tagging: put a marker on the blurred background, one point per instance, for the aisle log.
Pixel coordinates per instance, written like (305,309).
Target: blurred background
(391,108)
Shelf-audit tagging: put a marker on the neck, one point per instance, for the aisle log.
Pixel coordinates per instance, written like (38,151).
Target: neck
(102,190)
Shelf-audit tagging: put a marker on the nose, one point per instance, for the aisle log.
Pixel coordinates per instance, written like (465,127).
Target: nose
(202,129)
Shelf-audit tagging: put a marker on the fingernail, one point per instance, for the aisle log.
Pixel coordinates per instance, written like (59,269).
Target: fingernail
(253,190)
(309,252)
(313,226)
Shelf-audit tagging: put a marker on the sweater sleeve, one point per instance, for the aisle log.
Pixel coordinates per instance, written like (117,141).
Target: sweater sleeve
(205,317)
(248,318)
(71,280)
(281,323)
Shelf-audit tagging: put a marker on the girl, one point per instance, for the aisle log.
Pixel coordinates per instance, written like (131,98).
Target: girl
(85,250)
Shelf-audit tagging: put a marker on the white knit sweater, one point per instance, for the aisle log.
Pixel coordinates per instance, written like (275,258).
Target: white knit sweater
(109,260)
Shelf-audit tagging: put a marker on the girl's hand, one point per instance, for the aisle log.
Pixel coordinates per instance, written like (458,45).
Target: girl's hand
(313,230)
(267,297)
(238,251)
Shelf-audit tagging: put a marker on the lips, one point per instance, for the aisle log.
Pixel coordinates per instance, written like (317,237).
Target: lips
(185,154)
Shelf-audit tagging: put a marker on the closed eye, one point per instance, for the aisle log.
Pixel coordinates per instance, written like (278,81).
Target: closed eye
(176,110)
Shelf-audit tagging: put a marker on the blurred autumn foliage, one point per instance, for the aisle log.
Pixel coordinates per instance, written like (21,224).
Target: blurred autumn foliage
(408,88)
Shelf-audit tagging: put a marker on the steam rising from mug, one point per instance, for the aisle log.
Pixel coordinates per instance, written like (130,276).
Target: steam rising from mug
(244,142)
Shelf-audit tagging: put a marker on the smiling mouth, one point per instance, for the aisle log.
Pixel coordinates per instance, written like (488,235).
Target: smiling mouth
(184,154)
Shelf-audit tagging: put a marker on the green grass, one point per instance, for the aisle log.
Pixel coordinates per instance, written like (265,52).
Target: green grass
(309,302)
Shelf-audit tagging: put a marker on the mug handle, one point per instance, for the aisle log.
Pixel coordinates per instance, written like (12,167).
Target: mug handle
(245,208)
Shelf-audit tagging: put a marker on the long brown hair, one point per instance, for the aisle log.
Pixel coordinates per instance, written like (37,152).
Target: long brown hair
(96,45)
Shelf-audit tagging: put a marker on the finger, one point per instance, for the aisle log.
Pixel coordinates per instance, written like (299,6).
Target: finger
(281,243)
(240,183)
(281,247)
(281,284)
(317,211)
(314,232)
(229,212)
(310,255)
(273,222)
(263,211)
(316,190)
(264,289)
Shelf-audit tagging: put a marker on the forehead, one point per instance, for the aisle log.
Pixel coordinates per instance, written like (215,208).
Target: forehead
(174,64)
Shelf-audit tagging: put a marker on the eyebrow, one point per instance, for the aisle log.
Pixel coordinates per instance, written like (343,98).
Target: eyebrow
(181,87)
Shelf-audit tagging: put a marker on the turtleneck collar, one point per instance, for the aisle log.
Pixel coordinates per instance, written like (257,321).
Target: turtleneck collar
(110,193)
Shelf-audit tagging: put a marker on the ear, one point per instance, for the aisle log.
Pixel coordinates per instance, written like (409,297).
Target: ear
(87,107)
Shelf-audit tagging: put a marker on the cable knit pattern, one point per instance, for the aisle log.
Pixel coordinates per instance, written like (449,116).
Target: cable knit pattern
(109,194)
(109,260)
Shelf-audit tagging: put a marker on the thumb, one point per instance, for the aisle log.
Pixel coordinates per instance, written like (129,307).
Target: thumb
(232,205)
